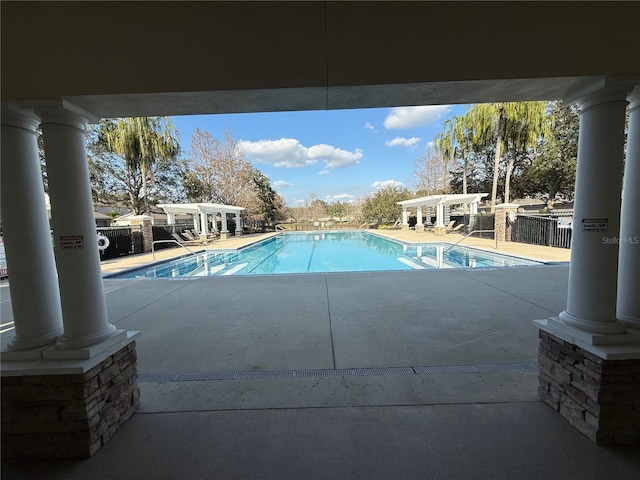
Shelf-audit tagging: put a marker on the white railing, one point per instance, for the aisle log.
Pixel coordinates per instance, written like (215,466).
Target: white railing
(471,233)
(153,246)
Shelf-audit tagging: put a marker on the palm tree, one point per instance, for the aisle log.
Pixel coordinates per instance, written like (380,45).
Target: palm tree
(141,142)
(486,121)
(525,123)
(445,146)
(456,141)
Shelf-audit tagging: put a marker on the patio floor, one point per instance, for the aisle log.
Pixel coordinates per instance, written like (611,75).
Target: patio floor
(415,374)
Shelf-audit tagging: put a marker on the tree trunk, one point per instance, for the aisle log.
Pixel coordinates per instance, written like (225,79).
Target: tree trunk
(496,160)
(147,210)
(507,178)
(553,189)
(464,178)
(133,204)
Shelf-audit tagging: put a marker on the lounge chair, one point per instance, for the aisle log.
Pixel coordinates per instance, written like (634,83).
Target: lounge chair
(455,229)
(182,241)
(189,236)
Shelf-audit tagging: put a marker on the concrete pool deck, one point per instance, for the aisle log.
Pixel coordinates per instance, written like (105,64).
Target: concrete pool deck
(409,375)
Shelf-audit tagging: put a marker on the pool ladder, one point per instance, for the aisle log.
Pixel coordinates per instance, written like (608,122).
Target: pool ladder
(471,233)
(153,245)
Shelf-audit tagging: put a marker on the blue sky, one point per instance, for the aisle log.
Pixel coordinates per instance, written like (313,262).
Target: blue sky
(333,154)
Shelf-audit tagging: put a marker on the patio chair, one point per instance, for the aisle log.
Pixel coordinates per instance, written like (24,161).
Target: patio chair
(189,236)
(182,241)
(455,229)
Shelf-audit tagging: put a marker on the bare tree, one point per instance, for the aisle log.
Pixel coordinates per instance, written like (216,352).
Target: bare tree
(218,172)
(432,175)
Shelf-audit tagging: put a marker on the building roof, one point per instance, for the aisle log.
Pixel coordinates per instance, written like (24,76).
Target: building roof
(198,208)
(447,199)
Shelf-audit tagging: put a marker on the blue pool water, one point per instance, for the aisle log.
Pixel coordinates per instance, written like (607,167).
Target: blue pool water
(352,251)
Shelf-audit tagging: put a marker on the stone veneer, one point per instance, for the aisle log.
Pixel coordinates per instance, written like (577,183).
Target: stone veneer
(69,415)
(600,398)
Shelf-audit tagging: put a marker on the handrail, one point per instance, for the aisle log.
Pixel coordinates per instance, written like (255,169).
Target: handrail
(471,233)
(280,227)
(153,245)
(365,223)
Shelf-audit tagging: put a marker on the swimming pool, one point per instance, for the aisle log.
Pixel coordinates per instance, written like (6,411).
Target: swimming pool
(321,252)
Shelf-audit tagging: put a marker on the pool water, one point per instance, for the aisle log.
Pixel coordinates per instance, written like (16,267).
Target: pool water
(317,252)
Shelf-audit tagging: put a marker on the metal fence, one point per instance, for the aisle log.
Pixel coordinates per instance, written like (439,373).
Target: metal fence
(311,226)
(164,232)
(480,221)
(552,231)
(255,225)
(122,241)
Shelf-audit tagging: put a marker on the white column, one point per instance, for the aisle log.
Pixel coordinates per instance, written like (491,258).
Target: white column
(35,298)
(238,224)
(405,216)
(81,289)
(419,216)
(628,307)
(439,215)
(215,222)
(224,223)
(591,298)
(473,208)
(204,224)
(171,218)
(195,222)
(439,256)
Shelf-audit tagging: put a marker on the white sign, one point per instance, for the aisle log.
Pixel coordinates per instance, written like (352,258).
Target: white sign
(71,242)
(594,224)
(564,222)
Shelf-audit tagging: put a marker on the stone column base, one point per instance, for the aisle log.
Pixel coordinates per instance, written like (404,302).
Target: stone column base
(239,232)
(419,228)
(404,227)
(600,398)
(224,235)
(69,415)
(439,230)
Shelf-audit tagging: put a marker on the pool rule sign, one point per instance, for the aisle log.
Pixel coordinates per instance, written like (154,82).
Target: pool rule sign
(71,242)
(595,224)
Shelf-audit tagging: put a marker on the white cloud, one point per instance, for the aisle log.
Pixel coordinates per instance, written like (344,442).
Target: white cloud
(342,197)
(290,153)
(334,157)
(386,183)
(286,152)
(370,127)
(403,142)
(323,172)
(281,184)
(410,117)
(300,200)
(430,144)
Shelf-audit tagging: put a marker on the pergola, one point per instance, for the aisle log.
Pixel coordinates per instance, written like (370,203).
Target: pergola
(439,202)
(200,212)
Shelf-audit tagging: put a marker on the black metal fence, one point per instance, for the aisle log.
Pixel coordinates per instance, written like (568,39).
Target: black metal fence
(255,225)
(122,241)
(164,232)
(542,230)
(480,221)
(312,226)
